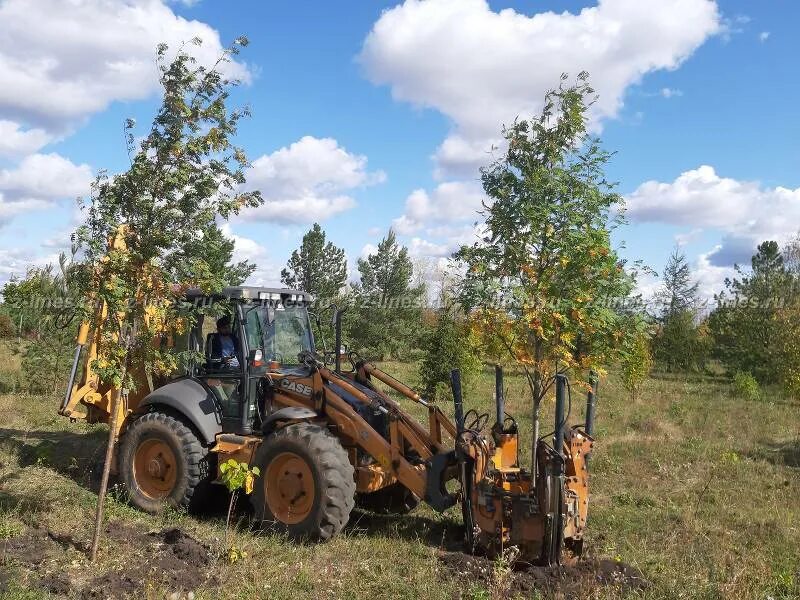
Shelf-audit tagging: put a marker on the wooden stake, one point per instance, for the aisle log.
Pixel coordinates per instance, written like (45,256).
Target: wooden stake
(101,495)
(112,441)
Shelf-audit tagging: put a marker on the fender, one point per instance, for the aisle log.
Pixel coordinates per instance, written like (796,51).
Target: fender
(290,413)
(194,401)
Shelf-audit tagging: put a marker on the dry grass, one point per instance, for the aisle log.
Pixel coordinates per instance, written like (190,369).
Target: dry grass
(695,488)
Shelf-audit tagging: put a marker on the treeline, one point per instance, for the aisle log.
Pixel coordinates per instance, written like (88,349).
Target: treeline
(749,329)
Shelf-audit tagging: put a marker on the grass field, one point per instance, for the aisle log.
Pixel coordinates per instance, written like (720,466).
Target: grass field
(695,488)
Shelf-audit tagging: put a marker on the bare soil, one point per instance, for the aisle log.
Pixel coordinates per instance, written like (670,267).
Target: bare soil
(575,580)
(169,559)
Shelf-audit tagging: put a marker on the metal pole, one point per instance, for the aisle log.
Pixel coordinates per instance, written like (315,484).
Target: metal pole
(499,397)
(591,402)
(338,342)
(561,392)
(458,400)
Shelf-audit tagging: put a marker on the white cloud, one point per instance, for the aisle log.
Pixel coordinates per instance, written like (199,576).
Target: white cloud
(687,237)
(16,141)
(482,68)
(368,249)
(308,181)
(449,202)
(670,93)
(63,61)
(746,212)
(39,181)
(267,273)
(709,276)
(424,248)
(763,36)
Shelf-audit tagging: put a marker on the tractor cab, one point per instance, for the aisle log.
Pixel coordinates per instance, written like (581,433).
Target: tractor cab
(271,329)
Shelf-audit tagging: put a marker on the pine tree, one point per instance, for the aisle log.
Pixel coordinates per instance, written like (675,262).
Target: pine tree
(317,267)
(388,305)
(678,293)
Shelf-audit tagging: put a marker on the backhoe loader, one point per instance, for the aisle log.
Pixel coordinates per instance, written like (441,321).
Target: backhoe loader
(325,437)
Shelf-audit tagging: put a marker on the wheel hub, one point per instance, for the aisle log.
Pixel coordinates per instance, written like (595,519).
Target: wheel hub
(289,488)
(155,468)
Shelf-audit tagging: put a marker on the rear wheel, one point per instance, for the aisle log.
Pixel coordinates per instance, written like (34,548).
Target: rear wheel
(162,463)
(306,488)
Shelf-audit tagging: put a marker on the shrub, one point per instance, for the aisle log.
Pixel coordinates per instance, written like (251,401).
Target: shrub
(6,327)
(745,386)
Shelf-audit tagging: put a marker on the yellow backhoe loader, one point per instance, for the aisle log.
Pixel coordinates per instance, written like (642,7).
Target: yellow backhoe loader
(325,437)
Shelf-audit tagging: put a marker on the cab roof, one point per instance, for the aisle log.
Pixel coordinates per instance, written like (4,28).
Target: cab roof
(248,293)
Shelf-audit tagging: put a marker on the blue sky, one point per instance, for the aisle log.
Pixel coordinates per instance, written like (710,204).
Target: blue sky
(373,114)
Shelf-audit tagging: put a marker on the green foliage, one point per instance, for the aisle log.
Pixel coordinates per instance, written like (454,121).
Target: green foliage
(745,386)
(238,475)
(681,345)
(544,285)
(184,175)
(636,361)
(7,328)
(46,300)
(745,325)
(678,294)
(448,345)
(387,305)
(318,267)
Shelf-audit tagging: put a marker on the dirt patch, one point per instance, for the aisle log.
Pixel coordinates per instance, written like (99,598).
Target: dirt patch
(169,559)
(575,580)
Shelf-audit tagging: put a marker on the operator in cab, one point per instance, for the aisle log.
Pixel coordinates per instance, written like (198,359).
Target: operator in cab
(225,345)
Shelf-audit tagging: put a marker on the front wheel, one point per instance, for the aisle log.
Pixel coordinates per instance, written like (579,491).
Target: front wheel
(306,488)
(162,463)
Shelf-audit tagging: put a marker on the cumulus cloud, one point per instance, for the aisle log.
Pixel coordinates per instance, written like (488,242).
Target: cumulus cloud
(763,36)
(16,141)
(308,181)
(746,212)
(482,68)
(449,202)
(38,182)
(267,273)
(63,61)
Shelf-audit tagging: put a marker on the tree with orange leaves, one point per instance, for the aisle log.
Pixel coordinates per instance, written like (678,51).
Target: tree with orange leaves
(543,286)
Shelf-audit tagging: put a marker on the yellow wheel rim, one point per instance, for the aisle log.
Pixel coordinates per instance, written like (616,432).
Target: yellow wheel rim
(289,488)
(155,469)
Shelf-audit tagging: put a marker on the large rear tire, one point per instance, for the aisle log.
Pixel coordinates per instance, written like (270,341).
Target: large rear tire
(162,463)
(307,487)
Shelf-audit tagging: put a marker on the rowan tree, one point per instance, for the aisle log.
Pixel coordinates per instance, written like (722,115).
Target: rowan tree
(544,285)
(184,175)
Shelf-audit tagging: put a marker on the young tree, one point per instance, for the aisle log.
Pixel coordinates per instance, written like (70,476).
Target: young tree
(678,294)
(144,230)
(744,324)
(544,283)
(448,344)
(636,362)
(318,267)
(388,305)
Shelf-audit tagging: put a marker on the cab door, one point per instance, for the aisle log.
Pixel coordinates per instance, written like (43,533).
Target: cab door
(227,382)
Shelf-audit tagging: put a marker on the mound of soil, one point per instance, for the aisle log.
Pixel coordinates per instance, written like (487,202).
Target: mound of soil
(576,580)
(169,559)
